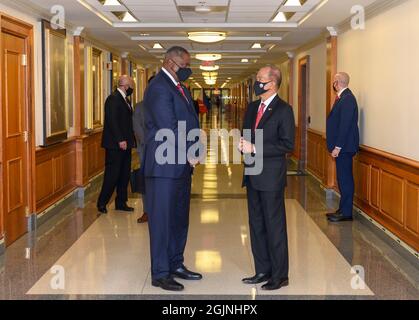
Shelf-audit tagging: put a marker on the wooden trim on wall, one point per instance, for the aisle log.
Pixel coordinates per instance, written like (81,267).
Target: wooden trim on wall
(302,117)
(386,186)
(79,86)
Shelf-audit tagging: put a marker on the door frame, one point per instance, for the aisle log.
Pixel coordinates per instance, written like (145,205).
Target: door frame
(301,148)
(24,30)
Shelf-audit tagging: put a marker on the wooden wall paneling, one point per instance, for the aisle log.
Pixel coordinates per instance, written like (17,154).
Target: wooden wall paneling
(55,173)
(79,123)
(412,208)
(391,193)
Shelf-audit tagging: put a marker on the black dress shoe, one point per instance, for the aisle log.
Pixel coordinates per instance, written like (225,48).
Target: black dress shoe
(259,278)
(168,284)
(185,274)
(333,213)
(275,284)
(143,219)
(124,208)
(102,209)
(338,217)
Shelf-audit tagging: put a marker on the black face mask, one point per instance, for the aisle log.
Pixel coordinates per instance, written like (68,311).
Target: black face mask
(259,87)
(129,91)
(183,73)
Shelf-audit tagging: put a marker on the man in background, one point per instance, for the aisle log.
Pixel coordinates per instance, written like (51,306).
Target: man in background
(342,135)
(118,140)
(139,129)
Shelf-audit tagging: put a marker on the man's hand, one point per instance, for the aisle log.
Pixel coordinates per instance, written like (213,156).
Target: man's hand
(123,145)
(246,146)
(335,152)
(193,162)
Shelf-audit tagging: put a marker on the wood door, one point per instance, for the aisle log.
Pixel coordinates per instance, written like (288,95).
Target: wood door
(15,103)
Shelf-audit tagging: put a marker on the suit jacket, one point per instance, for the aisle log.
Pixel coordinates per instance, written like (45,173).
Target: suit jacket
(278,139)
(118,123)
(342,124)
(139,128)
(165,106)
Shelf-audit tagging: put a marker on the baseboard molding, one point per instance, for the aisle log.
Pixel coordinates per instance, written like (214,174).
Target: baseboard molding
(378,227)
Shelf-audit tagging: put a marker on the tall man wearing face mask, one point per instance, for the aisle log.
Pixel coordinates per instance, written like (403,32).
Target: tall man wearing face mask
(266,191)
(169,105)
(118,140)
(342,135)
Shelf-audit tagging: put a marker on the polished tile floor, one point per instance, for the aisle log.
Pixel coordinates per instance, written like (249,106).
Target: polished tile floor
(78,254)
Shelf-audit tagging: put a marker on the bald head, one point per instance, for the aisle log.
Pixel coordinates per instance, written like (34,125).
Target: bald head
(343,79)
(125,80)
(273,74)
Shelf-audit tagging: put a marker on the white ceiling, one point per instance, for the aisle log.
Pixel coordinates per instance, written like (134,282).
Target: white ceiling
(244,21)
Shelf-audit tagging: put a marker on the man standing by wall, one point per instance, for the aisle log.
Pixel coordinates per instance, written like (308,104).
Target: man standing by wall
(118,140)
(343,143)
(266,191)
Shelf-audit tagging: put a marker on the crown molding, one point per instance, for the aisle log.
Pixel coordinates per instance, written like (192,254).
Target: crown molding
(370,12)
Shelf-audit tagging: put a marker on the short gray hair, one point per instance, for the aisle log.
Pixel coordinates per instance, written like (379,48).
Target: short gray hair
(176,51)
(276,74)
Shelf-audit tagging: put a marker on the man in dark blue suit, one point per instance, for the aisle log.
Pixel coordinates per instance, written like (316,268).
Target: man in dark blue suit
(343,143)
(168,168)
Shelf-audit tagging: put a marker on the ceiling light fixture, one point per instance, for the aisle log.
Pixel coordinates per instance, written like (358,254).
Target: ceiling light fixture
(206,36)
(245,60)
(157,46)
(203,8)
(257,46)
(208,56)
(209,68)
(112,3)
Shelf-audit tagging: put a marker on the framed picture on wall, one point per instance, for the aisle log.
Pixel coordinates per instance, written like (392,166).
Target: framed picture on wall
(54,59)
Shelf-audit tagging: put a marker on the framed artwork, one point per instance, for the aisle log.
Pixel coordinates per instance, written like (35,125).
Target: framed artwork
(54,58)
(116,70)
(94,89)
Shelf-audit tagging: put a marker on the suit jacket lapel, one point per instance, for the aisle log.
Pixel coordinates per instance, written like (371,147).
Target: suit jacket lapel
(124,101)
(172,85)
(268,112)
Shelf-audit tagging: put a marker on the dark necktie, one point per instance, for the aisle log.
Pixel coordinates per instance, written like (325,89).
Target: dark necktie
(129,103)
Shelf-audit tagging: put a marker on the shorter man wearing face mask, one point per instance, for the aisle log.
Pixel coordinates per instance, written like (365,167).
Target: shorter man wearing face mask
(266,191)
(343,143)
(118,139)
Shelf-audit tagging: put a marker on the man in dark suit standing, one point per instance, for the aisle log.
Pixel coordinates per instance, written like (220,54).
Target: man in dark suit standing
(139,129)
(118,140)
(169,107)
(343,143)
(266,190)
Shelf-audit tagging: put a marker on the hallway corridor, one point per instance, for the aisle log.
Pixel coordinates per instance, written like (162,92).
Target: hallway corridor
(107,256)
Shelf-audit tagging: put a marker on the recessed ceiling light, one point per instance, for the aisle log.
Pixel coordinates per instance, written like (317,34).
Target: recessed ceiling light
(112,3)
(208,56)
(245,60)
(203,8)
(268,34)
(129,18)
(257,46)
(280,17)
(157,46)
(294,3)
(144,34)
(206,36)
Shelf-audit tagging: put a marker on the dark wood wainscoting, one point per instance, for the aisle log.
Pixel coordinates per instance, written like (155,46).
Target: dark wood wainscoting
(62,168)
(386,186)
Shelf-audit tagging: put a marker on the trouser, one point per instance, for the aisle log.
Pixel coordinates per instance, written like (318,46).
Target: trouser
(346,184)
(168,202)
(268,232)
(117,175)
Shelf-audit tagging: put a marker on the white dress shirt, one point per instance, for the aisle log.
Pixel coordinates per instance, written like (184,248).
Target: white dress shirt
(267,102)
(170,76)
